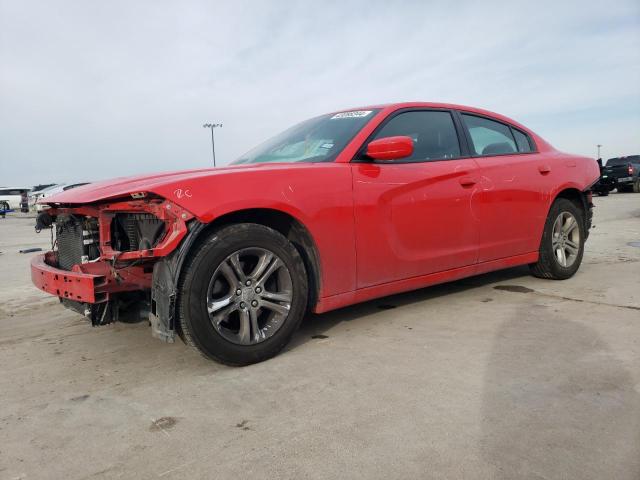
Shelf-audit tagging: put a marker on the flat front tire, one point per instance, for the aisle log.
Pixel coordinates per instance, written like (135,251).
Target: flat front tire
(243,294)
(562,244)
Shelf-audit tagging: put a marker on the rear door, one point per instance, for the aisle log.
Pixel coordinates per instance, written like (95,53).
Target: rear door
(413,216)
(510,206)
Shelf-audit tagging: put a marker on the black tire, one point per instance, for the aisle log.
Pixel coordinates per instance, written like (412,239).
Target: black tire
(548,265)
(195,324)
(636,185)
(624,188)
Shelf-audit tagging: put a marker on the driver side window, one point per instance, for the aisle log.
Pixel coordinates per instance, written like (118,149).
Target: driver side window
(433,133)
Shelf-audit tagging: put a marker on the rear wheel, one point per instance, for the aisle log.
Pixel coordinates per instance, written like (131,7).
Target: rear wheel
(636,185)
(243,294)
(562,245)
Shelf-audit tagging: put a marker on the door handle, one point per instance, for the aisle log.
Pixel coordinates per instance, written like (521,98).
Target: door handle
(544,169)
(468,181)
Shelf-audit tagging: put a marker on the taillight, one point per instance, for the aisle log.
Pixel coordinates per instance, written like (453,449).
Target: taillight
(630,169)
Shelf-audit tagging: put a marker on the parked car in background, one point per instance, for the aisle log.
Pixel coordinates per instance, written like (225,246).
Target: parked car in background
(624,172)
(75,185)
(40,187)
(42,193)
(14,198)
(36,190)
(339,209)
(36,197)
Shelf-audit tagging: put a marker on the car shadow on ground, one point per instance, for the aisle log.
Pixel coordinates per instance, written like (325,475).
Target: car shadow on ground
(315,326)
(557,402)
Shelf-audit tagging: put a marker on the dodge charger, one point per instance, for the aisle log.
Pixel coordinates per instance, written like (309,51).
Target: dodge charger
(339,209)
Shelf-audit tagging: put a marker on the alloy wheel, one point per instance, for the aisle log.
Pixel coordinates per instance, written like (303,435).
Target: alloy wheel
(249,296)
(565,239)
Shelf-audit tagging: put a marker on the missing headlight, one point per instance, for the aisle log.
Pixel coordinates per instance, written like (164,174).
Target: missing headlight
(136,231)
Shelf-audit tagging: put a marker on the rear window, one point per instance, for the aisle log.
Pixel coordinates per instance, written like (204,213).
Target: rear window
(614,162)
(489,137)
(522,140)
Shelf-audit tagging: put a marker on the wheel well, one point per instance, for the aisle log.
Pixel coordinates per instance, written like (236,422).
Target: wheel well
(288,226)
(583,202)
(574,195)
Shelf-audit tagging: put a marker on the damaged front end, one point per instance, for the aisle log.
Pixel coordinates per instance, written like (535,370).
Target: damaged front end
(116,261)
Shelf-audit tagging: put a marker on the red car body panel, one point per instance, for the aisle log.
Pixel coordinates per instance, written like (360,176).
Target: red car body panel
(478,213)
(391,199)
(78,286)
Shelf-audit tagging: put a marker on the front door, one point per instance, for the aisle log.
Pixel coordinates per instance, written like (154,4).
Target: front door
(414,216)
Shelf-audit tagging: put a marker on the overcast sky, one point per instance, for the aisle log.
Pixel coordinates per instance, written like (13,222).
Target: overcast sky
(91,90)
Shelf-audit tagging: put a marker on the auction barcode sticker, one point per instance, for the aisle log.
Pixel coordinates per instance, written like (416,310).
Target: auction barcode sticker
(352,114)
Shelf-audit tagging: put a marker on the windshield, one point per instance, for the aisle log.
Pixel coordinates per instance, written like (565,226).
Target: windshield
(319,139)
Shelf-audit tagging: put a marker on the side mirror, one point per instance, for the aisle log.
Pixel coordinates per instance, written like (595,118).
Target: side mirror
(390,148)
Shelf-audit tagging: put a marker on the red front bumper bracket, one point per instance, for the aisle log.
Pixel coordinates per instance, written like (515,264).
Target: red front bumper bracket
(77,286)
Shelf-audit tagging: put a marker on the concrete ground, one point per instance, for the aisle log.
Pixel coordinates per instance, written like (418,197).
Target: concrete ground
(498,376)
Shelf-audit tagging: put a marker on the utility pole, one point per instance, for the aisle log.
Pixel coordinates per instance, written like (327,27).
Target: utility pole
(213,144)
(598,150)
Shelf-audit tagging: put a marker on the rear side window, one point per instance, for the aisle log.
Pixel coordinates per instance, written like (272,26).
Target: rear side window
(522,141)
(433,132)
(489,137)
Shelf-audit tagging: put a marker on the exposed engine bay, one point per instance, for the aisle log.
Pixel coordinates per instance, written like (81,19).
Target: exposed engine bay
(109,252)
(136,231)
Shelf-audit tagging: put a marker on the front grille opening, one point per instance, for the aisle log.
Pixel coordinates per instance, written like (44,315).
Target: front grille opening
(136,231)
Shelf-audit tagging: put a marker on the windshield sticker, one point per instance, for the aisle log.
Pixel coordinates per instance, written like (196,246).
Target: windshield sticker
(354,114)
(328,146)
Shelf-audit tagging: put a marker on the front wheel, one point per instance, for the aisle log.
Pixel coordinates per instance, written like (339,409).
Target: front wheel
(243,294)
(562,244)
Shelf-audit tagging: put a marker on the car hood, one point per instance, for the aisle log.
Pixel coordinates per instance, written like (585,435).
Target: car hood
(162,184)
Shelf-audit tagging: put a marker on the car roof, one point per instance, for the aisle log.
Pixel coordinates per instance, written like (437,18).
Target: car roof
(389,107)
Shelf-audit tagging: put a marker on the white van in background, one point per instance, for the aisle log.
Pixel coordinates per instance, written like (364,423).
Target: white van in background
(14,198)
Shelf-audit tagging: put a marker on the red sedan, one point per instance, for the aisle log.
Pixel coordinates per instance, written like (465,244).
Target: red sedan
(339,209)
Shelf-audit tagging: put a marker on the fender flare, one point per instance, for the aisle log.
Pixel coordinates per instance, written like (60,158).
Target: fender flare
(164,286)
(585,200)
